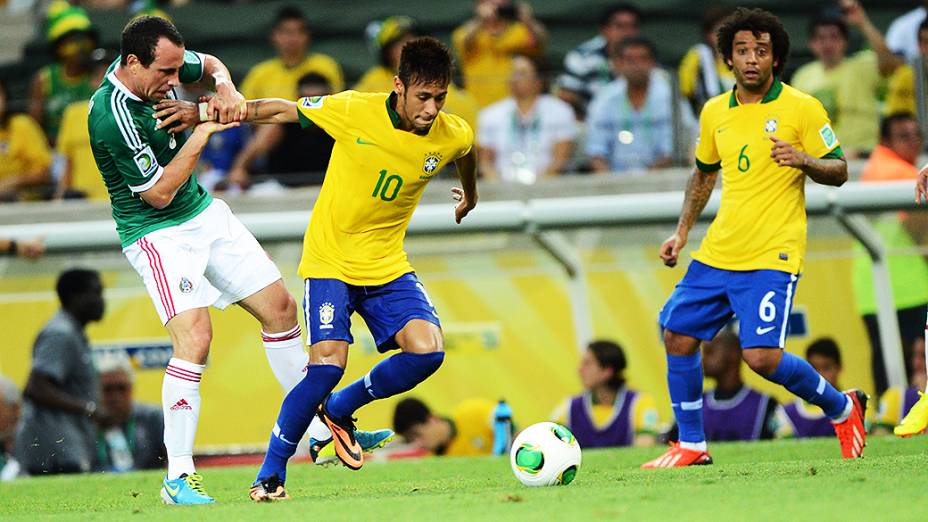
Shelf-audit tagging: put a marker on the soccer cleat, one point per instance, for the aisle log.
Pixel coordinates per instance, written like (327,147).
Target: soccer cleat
(186,489)
(346,445)
(676,457)
(268,490)
(322,453)
(851,433)
(916,420)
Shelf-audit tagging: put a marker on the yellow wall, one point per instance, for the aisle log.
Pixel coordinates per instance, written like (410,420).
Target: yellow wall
(507,320)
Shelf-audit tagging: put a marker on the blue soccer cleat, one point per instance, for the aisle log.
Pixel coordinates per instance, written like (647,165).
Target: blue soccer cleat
(323,454)
(186,489)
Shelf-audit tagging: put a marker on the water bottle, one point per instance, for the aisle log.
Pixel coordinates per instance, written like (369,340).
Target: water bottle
(502,428)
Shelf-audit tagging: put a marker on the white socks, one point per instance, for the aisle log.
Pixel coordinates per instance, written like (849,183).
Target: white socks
(846,413)
(695,446)
(180,402)
(288,360)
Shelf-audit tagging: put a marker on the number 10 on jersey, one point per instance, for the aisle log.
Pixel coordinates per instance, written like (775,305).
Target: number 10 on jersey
(387,187)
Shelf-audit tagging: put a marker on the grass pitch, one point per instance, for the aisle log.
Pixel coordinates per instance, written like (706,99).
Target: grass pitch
(777,481)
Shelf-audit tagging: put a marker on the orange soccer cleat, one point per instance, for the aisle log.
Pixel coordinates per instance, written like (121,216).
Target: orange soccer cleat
(346,445)
(851,433)
(677,456)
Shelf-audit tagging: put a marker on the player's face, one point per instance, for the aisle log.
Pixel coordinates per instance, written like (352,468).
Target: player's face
(826,367)
(523,81)
(905,139)
(828,44)
(154,82)
(621,25)
(290,37)
(418,104)
(117,394)
(429,435)
(635,64)
(591,373)
(752,60)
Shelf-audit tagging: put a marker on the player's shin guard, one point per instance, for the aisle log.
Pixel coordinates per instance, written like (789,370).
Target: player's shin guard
(799,377)
(180,402)
(286,355)
(684,379)
(298,408)
(397,374)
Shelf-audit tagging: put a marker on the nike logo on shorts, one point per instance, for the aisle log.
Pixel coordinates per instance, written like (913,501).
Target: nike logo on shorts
(762,331)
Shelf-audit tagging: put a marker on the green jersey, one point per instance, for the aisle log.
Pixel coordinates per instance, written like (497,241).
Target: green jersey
(131,154)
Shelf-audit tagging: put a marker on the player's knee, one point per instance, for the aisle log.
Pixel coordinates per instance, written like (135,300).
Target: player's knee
(679,344)
(432,342)
(763,361)
(281,312)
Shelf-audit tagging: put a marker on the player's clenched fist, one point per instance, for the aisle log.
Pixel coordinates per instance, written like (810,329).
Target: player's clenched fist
(785,155)
(670,250)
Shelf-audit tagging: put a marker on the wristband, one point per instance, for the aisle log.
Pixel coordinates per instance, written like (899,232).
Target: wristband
(203,108)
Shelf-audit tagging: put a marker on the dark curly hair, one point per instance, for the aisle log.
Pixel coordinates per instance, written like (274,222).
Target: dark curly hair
(757,21)
(425,60)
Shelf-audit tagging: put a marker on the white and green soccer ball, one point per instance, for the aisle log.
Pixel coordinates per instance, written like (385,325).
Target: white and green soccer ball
(545,454)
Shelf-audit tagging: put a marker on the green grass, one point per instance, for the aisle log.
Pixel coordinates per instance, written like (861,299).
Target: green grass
(778,481)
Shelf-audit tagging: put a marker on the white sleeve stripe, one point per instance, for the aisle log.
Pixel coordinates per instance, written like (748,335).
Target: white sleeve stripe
(202,65)
(150,183)
(127,118)
(119,123)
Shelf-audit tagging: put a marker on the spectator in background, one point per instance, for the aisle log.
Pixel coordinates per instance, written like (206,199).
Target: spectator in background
(529,135)
(294,156)
(906,89)
(848,86)
(895,403)
(57,432)
(10,408)
(277,77)
(80,177)
(631,120)
(25,248)
(386,39)
(894,160)
(218,157)
(799,418)
(486,44)
(587,68)
(132,437)
(703,72)
(71,37)
(608,413)
(902,35)
(467,432)
(25,157)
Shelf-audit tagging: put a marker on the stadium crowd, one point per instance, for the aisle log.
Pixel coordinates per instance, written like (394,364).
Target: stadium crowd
(611,108)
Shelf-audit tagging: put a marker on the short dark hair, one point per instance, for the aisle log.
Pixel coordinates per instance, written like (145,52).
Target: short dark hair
(825,347)
(409,412)
(616,8)
(313,79)
(74,282)
(610,355)
(886,124)
(635,41)
(140,37)
(425,60)
(757,21)
(287,13)
(827,20)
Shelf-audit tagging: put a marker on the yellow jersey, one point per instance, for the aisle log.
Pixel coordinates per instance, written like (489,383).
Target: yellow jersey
(23,148)
(272,79)
(473,428)
(376,175)
(900,93)
(74,144)
(458,101)
(761,223)
(487,61)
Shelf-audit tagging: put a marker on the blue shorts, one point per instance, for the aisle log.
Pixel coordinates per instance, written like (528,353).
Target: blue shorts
(706,299)
(329,303)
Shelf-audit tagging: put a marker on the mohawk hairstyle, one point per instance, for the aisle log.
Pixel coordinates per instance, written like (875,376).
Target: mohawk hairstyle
(425,60)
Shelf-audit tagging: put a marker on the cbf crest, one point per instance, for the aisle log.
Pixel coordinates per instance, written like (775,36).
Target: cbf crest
(431,163)
(326,316)
(770,126)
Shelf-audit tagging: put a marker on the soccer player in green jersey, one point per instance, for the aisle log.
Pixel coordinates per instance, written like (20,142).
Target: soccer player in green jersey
(188,247)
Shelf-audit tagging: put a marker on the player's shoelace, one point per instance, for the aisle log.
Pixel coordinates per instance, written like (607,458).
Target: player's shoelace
(195,481)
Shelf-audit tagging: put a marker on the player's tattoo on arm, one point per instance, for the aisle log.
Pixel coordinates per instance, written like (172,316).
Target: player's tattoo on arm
(826,171)
(698,190)
(254,109)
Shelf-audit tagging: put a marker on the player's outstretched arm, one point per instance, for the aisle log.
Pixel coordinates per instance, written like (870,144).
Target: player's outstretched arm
(228,104)
(466,196)
(825,171)
(698,190)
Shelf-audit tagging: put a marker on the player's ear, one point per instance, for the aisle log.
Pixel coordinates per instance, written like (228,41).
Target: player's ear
(398,86)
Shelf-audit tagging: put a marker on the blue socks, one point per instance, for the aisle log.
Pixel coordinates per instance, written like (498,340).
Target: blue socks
(296,412)
(397,374)
(799,377)
(684,378)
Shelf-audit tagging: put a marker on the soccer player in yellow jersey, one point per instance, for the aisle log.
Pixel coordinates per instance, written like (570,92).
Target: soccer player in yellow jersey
(765,137)
(916,420)
(387,148)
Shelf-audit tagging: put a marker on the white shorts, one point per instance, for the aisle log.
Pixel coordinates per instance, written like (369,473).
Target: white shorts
(211,260)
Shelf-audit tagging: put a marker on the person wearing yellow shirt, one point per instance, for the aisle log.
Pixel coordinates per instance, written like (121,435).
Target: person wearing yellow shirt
(906,89)
(486,44)
(703,73)
(25,157)
(608,412)
(277,77)
(468,431)
(387,39)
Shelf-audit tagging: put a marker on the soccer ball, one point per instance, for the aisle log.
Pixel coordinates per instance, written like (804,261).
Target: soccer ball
(545,454)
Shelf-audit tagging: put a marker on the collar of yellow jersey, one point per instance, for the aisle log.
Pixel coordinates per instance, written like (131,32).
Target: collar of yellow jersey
(394,116)
(771,95)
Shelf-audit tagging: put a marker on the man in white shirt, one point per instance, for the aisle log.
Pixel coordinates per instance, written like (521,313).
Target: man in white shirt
(528,135)
(902,36)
